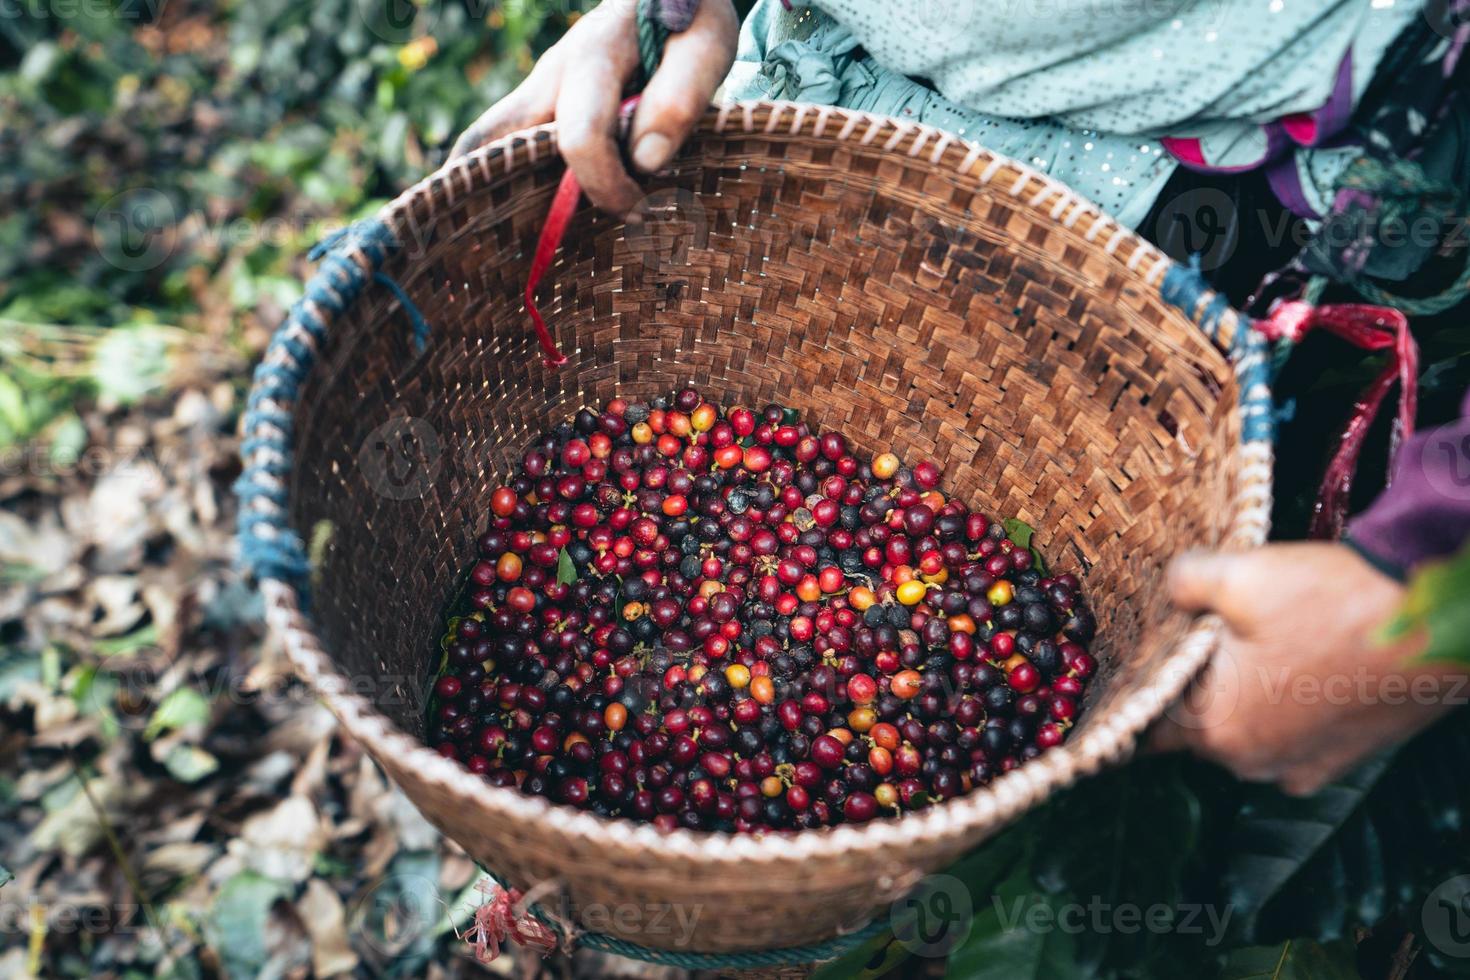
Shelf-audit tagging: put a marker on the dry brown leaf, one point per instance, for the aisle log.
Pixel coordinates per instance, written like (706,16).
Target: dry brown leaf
(179,860)
(312,773)
(282,842)
(326,923)
(116,600)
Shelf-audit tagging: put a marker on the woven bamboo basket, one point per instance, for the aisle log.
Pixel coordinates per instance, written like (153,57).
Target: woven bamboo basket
(891,282)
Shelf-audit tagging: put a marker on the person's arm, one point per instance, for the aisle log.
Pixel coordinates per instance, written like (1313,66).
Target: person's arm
(580,83)
(1302,688)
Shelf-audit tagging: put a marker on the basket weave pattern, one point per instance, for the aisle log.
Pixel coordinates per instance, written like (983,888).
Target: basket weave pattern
(889,281)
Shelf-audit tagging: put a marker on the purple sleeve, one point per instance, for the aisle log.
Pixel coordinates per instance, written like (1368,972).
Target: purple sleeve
(676,15)
(1425,512)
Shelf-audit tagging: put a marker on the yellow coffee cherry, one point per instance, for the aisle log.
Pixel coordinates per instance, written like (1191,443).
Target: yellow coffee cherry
(911,593)
(738,675)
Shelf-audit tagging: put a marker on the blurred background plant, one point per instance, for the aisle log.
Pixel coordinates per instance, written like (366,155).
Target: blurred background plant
(169,162)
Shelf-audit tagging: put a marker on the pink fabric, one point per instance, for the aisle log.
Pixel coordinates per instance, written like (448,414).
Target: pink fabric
(1301,127)
(1191,152)
(1186,151)
(1314,128)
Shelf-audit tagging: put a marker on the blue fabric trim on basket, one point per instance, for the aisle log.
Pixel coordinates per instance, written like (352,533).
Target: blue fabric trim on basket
(420,326)
(351,257)
(752,960)
(1184,286)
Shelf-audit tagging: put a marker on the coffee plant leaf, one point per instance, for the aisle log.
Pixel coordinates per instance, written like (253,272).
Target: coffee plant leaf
(1021,534)
(1278,842)
(1435,603)
(1352,853)
(1020,933)
(1295,959)
(979,872)
(873,959)
(1130,834)
(988,865)
(566,569)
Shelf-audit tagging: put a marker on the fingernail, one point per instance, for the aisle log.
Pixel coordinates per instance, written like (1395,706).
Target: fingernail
(652,151)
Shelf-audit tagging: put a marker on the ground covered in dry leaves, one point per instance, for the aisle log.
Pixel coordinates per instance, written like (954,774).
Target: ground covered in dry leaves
(173,803)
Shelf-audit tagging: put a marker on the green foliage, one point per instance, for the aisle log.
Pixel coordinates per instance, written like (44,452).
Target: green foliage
(182,708)
(44,367)
(238,921)
(1296,959)
(153,170)
(1353,853)
(1166,866)
(566,569)
(1436,603)
(128,643)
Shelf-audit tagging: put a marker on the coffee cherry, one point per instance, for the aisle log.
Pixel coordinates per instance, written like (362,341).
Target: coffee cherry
(926,475)
(911,593)
(1062,708)
(905,684)
(862,689)
(1024,677)
(860,807)
(1049,735)
(827,751)
(503,501)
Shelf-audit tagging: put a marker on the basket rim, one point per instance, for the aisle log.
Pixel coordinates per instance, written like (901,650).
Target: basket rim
(970,815)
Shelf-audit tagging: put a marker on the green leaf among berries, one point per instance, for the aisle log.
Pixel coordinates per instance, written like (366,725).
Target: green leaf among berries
(566,569)
(1021,534)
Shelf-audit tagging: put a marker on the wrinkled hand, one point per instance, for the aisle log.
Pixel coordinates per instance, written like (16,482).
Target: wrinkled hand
(1301,688)
(580,81)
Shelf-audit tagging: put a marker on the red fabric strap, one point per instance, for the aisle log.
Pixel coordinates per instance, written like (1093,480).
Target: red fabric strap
(563,206)
(558,216)
(1372,328)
